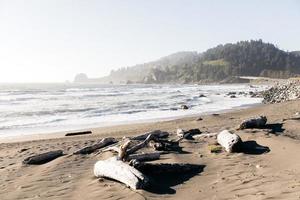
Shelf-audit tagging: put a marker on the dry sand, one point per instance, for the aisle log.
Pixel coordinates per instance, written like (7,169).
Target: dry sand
(253,175)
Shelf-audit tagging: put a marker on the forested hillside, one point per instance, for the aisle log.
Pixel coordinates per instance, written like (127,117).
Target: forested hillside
(221,63)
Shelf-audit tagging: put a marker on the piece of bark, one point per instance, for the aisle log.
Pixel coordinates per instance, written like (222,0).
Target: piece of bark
(230,141)
(118,170)
(90,149)
(256,122)
(123,149)
(144,156)
(78,133)
(43,158)
(162,168)
(156,133)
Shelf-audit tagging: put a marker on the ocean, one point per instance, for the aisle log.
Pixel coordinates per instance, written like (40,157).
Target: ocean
(43,108)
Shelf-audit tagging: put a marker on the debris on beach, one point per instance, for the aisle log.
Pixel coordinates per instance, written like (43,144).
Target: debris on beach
(187,134)
(255,122)
(90,149)
(78,133)
(129,167)
(230,141)
(43,158)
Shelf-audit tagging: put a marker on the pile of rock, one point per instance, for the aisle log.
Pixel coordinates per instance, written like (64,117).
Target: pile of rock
(282,92)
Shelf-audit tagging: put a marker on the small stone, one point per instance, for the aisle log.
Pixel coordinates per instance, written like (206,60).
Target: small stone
(184,107)
(101,179)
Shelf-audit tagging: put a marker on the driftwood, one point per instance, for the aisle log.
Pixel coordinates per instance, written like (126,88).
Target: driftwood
(123,148)
(230,141)
(90,149)
(141,144)
(187,134)
(144,156)
(258,122)
(162,168)
(155,133)
(43,158)
(118,170)
(113,149)
(78,133)
(164,145)
(205,135)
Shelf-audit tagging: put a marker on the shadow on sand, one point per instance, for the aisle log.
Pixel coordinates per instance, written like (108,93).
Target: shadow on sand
(251,147)
(162,183)
(275,128)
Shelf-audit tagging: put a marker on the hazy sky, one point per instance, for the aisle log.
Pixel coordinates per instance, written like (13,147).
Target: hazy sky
(52,40)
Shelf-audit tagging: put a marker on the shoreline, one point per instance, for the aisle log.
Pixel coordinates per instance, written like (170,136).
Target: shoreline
(149,122)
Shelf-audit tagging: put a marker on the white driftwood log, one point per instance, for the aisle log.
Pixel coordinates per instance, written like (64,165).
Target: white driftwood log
(205,135)
(118,170)
(89,149)
(230,141)
(255,122)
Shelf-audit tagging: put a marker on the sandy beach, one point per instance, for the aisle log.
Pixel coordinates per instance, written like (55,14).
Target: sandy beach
(248,175)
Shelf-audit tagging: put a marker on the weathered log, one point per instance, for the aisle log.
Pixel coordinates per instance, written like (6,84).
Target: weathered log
(42,158)
(141,144)
(257,122)
(118,170)
(155,133)
(90,149)
(230,141)
(144,156)
(162,168)
(78,133)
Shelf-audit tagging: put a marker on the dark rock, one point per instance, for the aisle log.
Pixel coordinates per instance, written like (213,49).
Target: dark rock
(231,93)
(184,107)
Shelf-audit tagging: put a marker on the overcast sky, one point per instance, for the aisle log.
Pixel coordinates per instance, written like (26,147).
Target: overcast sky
(52,40)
